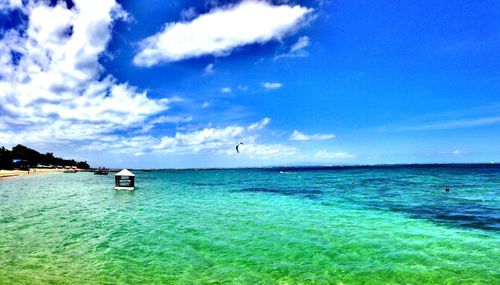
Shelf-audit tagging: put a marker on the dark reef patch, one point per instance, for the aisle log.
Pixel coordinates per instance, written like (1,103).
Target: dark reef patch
(459,215)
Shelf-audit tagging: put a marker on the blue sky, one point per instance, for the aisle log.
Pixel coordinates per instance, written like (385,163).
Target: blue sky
(180,83)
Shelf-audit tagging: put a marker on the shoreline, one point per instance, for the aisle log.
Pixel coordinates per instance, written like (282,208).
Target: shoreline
(14,173)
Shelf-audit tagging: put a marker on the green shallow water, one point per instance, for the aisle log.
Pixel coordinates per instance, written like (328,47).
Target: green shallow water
(254,226)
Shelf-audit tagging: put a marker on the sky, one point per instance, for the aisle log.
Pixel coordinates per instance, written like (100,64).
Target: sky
(178,84)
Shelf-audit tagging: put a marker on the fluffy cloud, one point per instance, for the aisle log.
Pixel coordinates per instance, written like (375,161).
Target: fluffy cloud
(216,140)
(297,49)
(332,155)
(220,31)
(188,14)
(243,87)
(259,125)
(209,69)
(10,4)
(298,136)
(454,124)
(257,151)
(271,85)
(225,90)
(148,126)
(52,86)
(301,43)
(171,119)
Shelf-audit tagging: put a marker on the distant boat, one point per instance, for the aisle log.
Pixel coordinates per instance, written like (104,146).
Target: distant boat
(102,172)
(70,171)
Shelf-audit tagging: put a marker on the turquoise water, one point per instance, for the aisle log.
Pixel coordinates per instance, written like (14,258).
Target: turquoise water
(383,225)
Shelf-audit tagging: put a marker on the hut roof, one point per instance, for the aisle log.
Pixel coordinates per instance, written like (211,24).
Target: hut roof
(124,172)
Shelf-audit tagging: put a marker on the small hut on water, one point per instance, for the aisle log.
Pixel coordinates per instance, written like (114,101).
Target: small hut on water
(125,180)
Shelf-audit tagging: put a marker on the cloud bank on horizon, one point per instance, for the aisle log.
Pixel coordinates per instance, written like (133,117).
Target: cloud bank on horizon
(216,140)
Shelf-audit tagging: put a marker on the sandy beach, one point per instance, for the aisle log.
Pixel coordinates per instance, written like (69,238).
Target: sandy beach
(13,173)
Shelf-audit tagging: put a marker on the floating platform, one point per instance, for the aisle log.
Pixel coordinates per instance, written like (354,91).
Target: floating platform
(125,180)
(124,188)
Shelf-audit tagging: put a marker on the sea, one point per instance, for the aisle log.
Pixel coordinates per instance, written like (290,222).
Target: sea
(393,224)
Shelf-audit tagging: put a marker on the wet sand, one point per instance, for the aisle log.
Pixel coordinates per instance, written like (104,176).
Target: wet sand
(13,173)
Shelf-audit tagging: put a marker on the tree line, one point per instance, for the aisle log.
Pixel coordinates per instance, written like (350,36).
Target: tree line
(22,157)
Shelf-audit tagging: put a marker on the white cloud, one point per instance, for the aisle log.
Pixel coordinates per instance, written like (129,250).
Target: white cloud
(332,155)
(444,125)
(10,4)
(226,90)
(188,14)
(243,87)
(301,43)
(214,140)
(205,105)
(256,151)
(171,119)
(259,125)
(209,70)
(457,152)
(457,124)
(297,49)
(271,85)
(298,136)
(55,89)
(222,30)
